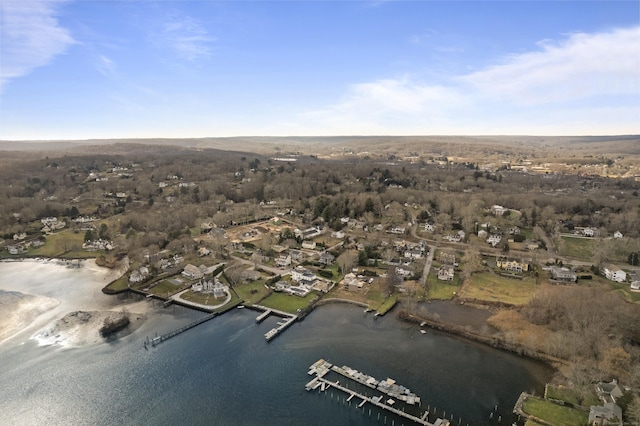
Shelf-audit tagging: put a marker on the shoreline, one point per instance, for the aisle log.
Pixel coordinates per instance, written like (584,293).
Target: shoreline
(492,341)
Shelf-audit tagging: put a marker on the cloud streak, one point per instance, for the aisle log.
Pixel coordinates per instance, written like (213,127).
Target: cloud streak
(582,66)
(31,37)
(188,38)
(566,83)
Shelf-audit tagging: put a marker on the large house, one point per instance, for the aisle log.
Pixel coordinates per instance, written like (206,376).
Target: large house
(303,276)
(192,272)
(326,258)
(511,265)
(614,273)
(562,274)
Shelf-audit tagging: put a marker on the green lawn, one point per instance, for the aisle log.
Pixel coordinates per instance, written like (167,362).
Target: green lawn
(441,290)
(581,248)
(252,292)
(554,413)
(164,288)
(570,395)
(625,290)
(208,299)
(495,288)
(120,284)
(65,243)
(387,304)
(288,303)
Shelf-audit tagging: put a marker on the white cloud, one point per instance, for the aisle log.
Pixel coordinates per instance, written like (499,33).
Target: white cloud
(586,84)
(583,66)
(382,105)
(105,66)
(188,38)
(31,37)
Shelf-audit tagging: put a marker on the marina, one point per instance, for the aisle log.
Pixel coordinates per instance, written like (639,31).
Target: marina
(389,387)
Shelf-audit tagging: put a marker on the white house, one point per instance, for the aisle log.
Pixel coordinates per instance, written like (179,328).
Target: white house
(617,235)
(614,273)
(588,232)
(309,245)
(192,272)
(498,210)
(303,276)
(494,240)
(429,227)
(283,260)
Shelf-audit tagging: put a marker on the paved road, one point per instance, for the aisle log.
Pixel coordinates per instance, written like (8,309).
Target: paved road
(427,267)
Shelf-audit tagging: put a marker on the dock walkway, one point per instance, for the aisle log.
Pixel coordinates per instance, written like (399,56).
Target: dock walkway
(159,339)
(321,367)
(289,319)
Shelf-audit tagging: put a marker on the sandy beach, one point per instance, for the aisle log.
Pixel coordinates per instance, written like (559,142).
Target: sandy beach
(56,304)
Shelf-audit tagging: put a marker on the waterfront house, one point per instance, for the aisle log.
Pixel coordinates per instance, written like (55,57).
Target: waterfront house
(192,272)
(303,276)
(446,273)
(607,414)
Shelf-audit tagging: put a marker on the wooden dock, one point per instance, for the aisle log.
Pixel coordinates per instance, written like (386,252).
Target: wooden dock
(282,325)
(322,367)
(159,339)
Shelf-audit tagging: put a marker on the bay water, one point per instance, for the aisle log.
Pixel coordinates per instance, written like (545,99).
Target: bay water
(223,372)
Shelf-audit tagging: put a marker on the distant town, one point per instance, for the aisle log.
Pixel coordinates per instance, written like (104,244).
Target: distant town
(549,248)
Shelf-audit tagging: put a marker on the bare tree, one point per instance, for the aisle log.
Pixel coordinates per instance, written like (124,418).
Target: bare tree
(346,260)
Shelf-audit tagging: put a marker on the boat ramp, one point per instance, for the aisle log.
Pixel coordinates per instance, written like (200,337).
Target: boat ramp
(388,387)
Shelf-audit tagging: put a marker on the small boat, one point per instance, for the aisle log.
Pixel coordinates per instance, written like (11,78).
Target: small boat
(240,306)
(423,331)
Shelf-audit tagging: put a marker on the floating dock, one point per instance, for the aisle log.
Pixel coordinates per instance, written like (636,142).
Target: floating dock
(389,387)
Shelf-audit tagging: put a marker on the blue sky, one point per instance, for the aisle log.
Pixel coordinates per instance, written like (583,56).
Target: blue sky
(107,69)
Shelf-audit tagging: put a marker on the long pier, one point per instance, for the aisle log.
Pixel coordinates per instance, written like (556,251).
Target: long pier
(159,339)
(321,368)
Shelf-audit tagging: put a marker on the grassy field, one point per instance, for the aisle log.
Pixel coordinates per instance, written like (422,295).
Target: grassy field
(67,244)
(441,290)
(120,284)
(387,304)
(288,303)
(569,395)
(164,288)
(494,288)
(580,248)
(252,292)
(625,290)
(555,414)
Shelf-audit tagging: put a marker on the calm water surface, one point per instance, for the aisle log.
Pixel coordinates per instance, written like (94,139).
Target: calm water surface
(224,373)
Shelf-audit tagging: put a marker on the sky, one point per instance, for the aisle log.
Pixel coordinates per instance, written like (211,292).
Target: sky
(139,69)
